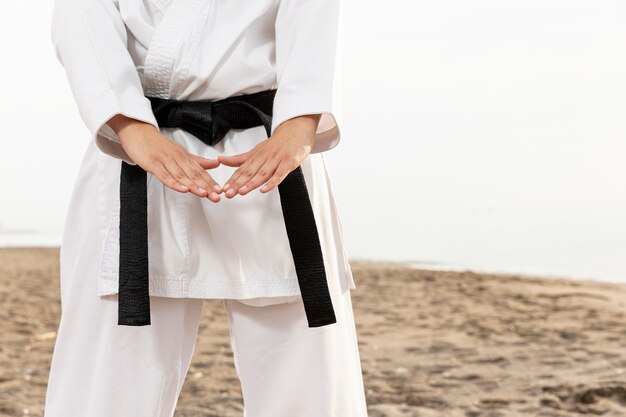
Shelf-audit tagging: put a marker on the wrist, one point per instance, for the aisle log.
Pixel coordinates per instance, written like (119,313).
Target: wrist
(310,120)
(306,124)
(125,126)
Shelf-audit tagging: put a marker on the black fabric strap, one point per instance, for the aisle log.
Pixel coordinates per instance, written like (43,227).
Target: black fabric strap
(306,249)
(134,300)
(209,121)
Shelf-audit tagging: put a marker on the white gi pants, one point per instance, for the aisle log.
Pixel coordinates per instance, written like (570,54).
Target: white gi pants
(286,369)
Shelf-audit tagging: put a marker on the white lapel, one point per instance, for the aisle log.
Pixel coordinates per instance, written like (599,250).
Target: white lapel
(162,4)
(182,23)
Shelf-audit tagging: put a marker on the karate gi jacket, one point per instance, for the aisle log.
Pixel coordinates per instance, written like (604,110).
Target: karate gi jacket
(117,52)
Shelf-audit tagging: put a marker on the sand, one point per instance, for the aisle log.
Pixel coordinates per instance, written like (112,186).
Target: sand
(432,343)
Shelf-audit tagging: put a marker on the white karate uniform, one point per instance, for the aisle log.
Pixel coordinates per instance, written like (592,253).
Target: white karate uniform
(117,51)
(286,369)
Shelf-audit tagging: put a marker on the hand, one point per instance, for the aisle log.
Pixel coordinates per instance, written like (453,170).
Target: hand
(167,160)
(273,158)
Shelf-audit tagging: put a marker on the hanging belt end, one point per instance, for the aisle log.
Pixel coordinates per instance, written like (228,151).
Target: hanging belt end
(133,321)
(325,321)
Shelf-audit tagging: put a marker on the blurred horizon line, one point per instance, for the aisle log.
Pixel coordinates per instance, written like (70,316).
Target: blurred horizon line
(28,239)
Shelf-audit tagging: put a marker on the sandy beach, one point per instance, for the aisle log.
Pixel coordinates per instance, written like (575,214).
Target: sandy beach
(432,343)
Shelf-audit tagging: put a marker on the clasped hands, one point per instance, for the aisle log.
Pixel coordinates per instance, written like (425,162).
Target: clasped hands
(265,165)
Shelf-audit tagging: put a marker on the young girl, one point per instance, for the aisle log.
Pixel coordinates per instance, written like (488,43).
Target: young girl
(216,227)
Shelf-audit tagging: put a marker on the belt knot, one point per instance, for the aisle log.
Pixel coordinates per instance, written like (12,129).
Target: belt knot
(210,120)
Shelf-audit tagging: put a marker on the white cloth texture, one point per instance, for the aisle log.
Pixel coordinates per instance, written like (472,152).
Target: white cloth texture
(286,369)
(115,52)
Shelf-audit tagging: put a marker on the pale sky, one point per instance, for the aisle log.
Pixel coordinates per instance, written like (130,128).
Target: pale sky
(488,134)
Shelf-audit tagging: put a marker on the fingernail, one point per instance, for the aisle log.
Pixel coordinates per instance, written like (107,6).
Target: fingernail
(202,190)
(217,187)
(214,194)
(226,186)
(244,188)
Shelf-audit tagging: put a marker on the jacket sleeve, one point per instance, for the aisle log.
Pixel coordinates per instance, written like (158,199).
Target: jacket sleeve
(90,41)
(309,47)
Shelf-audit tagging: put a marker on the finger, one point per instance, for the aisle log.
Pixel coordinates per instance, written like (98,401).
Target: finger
(199,185)
(242,176)
(281,172)
(166,178)
(198,174)
(234,160)
(201,178)
(264,173)
(235,175)
(202,184)
(205,163)
(179,175)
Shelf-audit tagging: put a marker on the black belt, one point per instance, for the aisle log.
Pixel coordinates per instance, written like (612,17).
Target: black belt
(209,121)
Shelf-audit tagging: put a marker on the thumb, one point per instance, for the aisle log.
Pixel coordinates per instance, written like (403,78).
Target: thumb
(233,160)
(205,163)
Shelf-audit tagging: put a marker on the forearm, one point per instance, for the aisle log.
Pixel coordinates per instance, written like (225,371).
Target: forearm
(126,126)
(305,125)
